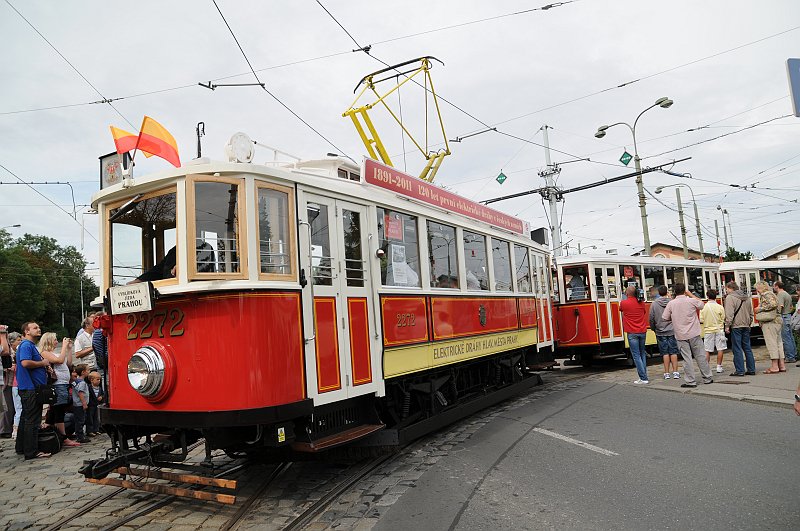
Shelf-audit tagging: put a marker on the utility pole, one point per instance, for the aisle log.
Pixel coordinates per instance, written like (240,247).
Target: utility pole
(697,225)
(551,194)
(725,230)
(683,225)
(716,229)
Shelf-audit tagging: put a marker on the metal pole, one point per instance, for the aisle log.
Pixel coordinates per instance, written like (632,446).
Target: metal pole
(725,230)
(730,227)
(697,224)
(642,203)
(716,229)
(552,197)
(82,306)
(683,225)
(579,248)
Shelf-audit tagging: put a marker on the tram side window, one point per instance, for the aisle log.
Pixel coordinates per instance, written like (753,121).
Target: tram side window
(442,255)
(727,276)
(790,276)
(694,277)
(631,276)
(321,272)
(653,278)
(400,244)
(674,275)
(216,227)
(523,267)
(475,253)
(142,239)
(501,261)
(710,277)
(575,282)
(275,241)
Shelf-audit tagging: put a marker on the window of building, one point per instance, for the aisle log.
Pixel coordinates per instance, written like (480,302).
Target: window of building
(215,227)
(630,275)
(653,278)
(475,261)
(142,238)
(576,282)
(442,255)
(400,245)
(275,227)
(523,269)
(501,261)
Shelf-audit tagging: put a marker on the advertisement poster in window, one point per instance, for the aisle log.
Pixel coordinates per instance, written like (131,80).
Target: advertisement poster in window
(628,271)
(398,258)
(393,227)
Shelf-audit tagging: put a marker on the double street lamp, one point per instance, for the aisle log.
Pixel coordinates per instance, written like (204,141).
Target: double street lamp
(664,103)
(680,215)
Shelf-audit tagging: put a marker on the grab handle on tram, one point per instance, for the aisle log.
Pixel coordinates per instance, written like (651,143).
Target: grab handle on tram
(304,282)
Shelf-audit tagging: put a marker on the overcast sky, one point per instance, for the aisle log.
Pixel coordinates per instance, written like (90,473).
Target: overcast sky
(721,61)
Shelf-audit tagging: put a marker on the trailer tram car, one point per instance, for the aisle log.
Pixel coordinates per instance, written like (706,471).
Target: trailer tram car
(305,305)
(746,274)
(590,288)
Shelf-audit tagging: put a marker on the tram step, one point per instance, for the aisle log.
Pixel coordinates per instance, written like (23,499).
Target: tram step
(337,439)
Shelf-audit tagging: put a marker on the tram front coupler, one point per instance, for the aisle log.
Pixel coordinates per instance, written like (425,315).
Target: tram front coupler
(124,457)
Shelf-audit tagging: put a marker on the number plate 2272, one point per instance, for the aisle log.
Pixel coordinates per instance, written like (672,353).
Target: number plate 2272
(161,323)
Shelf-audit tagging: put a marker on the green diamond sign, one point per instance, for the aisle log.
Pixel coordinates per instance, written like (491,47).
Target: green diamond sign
(501,178)
(625,158)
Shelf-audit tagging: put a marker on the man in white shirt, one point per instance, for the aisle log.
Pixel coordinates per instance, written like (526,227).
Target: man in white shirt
(83,345)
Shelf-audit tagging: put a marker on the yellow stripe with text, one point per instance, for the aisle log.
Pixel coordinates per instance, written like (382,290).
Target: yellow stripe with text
(404,360)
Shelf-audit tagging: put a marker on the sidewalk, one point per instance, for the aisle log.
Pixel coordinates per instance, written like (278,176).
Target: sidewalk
(771,389)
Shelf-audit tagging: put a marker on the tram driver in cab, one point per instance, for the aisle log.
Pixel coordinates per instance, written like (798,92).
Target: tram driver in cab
(575,285)
(166,268)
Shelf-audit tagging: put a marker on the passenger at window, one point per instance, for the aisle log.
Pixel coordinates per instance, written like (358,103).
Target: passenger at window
(576,287)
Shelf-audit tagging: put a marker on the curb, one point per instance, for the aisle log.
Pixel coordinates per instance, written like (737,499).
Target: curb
(754,399)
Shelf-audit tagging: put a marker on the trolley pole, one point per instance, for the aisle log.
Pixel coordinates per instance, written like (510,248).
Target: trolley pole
(683,225)
(551,195)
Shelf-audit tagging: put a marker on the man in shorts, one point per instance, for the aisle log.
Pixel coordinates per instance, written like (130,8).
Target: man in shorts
(712,317)
(665,335)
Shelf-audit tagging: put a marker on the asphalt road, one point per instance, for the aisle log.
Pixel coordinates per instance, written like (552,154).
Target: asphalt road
(614,456)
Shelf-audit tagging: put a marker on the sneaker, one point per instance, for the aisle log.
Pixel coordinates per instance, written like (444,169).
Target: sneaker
(69,443)
(640,382)
(84,440)
(719,369)
(708,382)
(676,375)
(666,376)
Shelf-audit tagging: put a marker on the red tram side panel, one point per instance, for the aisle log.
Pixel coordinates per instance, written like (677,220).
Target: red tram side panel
(326,331)
(253,338)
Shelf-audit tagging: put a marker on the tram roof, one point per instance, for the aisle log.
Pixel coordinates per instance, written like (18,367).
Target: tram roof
(628,260)
(759,264)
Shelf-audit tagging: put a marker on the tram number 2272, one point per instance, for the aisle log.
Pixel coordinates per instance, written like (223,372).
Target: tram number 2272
(144,325)
(406,319)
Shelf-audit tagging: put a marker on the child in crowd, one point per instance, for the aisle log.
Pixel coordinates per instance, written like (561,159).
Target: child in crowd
(713,318)
(95,399)
(80,400)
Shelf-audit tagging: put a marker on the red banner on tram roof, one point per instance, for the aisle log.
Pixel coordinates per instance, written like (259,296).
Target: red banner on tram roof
(414,187)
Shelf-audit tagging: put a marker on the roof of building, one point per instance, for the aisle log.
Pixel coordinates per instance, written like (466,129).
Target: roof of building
(676,248)
(783,247)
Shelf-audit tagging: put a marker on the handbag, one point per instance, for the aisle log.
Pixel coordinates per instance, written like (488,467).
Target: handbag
(45,394)
(52,377)
(766,316)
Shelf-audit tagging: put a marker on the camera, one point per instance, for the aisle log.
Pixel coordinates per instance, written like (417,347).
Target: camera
(640,294)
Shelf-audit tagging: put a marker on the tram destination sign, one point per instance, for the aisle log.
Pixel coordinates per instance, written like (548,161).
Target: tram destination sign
(389,178)
(131,298)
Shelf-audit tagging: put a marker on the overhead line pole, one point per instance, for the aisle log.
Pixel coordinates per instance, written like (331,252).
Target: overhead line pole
(551,194)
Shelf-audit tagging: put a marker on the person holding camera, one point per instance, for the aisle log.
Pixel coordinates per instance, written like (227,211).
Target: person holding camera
(634,324)
(682,311)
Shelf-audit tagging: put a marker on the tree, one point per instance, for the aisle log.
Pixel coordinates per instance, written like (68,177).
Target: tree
(732,255)
(41,281)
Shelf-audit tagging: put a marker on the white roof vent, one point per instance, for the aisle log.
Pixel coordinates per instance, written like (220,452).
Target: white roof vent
(611,251)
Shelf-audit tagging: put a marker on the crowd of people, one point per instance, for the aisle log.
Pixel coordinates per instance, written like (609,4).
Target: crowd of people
(36,363)
(685,325)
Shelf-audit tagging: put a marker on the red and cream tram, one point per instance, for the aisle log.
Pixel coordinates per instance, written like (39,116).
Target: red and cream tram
(590,288)
(746,274)
(308,304)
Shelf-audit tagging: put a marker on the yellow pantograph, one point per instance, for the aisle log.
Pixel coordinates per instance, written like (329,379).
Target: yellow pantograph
(366,128)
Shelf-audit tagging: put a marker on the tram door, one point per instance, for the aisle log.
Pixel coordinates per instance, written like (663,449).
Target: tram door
(334,256)
(608,296)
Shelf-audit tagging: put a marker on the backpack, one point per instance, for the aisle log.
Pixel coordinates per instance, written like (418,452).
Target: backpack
(794,322)
(49,440)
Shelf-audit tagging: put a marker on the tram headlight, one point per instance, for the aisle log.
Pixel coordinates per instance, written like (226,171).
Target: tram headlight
(146,371)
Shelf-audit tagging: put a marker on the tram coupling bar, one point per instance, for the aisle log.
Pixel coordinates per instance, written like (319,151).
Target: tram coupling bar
(100,468)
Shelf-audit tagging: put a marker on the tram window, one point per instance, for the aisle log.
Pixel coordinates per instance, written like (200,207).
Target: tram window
(501,261)
(475,253)
(727,276)
(400,245)
(675,275)
(710,276)
(790,276)
(694,275)
(442,255)
(523,267)
(611,278)
(653,278)
(630,275)
(598,283)
(321,272)
(275,232)
(142,239)
(753,276)
(354,263)
(215,227)
(575,282)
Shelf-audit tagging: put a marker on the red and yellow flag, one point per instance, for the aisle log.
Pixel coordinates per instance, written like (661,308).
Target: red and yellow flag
(124,140)
(155,139)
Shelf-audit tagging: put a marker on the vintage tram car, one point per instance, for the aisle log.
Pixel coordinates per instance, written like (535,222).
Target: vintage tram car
(746,274)
(308,304)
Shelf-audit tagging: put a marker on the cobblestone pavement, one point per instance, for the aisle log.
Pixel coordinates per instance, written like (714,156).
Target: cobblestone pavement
(38,493)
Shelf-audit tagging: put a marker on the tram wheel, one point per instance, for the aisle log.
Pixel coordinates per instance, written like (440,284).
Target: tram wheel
(587,359)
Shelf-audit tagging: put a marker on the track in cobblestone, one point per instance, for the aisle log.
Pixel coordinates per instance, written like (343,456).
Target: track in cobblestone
(233,521)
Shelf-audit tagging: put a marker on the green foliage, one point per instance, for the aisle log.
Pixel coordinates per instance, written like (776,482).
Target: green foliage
(732,255)
(41,281)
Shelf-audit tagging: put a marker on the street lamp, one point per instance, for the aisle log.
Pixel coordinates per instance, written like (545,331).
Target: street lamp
(664,103)
(724,227)
(11,226)
(680,212)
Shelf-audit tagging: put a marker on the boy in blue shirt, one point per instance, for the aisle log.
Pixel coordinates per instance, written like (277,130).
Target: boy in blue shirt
(30,374)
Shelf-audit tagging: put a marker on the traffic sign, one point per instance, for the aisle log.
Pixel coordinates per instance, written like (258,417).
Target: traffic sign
(501,178)
(625,158)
